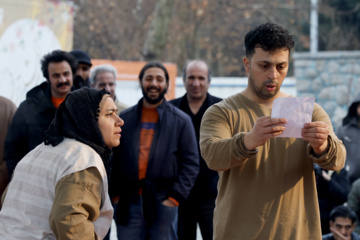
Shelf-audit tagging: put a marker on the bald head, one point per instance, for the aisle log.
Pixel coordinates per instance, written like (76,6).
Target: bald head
(199,63)
(196,76)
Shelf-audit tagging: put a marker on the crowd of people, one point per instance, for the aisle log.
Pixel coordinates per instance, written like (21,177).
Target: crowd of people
(74,158)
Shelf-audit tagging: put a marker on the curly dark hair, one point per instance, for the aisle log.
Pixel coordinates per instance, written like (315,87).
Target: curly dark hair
(57,56)
(269,37)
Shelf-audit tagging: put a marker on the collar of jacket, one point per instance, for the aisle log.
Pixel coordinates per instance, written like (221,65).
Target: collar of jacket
(41,95)
(354,121)
(160,109)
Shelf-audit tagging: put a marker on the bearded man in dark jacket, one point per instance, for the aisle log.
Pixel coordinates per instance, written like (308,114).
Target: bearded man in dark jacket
(36,112)
(156,164)
(349,133)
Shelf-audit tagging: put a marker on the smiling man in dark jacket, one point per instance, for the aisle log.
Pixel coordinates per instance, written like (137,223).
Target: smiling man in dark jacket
(157,163)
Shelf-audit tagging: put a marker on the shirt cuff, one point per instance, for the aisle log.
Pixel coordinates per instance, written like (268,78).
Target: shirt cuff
(320,158)
(244,151)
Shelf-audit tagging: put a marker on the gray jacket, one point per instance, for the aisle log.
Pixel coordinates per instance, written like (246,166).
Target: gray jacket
(349,133)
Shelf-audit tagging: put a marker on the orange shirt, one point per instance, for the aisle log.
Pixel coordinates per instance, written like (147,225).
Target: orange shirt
(149,118)
(57,101)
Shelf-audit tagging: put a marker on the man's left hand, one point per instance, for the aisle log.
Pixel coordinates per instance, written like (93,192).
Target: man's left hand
(317,134)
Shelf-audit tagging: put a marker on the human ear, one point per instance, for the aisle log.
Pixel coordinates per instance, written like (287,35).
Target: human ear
(246,64)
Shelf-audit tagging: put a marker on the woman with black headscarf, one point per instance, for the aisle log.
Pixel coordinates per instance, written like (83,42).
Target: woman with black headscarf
(60,189)
(349,133)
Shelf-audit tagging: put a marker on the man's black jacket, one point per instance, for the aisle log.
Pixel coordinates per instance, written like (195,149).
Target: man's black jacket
(206,183)
(29,123)
(173,160)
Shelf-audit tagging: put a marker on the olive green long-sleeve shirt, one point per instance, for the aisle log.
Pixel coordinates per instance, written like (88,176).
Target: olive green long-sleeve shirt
(268,193)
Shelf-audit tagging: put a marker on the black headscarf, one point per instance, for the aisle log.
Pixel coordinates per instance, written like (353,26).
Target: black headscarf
(77,118)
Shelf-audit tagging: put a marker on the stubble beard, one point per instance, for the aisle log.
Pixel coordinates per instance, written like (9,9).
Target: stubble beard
(153,100)
(261,92)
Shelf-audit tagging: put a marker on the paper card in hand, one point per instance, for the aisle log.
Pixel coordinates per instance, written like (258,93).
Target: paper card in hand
(296,110)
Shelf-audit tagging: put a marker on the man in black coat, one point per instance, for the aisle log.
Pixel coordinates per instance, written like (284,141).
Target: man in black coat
(199,207)
(36,112)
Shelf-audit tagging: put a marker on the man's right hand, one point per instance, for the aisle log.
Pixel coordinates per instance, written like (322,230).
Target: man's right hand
(338,236)
(264,129)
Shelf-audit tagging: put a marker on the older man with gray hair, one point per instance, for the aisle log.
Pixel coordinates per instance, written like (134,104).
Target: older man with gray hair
(104,76)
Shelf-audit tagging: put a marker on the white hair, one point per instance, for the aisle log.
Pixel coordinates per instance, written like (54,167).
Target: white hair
(99,69)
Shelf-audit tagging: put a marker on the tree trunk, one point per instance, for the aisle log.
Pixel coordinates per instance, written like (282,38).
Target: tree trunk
(155,41)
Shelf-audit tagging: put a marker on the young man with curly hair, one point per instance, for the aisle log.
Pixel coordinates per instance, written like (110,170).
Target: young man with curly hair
(267,188)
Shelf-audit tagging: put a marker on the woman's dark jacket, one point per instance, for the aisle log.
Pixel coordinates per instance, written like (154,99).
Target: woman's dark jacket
(349,133)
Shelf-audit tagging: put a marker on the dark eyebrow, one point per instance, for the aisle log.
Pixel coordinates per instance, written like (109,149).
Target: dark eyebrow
(111,110)
(264,61)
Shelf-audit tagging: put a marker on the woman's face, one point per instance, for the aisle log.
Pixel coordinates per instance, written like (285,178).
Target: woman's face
(110,123)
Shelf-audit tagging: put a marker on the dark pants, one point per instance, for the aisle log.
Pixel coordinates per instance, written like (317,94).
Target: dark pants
(164,227)
(193,212)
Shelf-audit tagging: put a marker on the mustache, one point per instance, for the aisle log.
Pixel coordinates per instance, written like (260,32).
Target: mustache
(152,87)
(62,84)
(270,82)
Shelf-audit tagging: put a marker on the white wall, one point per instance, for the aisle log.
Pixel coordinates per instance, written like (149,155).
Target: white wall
(226,86)
(129,92)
